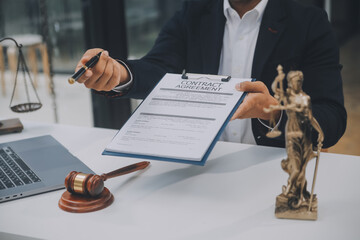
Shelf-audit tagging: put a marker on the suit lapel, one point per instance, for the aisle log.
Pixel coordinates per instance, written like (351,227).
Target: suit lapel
(271,28)
(212,32)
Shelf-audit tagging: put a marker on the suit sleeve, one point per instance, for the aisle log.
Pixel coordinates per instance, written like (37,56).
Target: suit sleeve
(167,56)
(323,81)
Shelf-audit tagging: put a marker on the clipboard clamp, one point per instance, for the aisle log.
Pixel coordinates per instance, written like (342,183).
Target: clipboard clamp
(208,76)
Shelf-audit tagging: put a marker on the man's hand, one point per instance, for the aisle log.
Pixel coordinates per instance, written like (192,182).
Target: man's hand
(105,75)
(254,103)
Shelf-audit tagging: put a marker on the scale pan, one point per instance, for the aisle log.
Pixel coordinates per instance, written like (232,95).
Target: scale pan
(26,107)
(273,134)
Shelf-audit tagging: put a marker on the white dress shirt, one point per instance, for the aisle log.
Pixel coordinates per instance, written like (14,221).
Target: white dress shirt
(236,60)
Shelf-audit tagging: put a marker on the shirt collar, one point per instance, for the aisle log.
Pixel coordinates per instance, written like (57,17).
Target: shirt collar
(259,8)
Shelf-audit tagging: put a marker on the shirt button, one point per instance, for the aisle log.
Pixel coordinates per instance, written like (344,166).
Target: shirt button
(241,37)
(258,137)
(234,133)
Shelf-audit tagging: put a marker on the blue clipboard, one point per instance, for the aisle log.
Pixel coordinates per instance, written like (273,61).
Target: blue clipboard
(207,153)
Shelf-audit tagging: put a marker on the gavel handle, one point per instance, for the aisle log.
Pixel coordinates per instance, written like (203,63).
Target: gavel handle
(125,170)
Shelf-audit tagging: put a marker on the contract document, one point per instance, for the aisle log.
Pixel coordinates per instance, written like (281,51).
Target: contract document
(180,120)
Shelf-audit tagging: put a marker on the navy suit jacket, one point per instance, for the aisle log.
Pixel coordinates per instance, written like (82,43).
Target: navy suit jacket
(297,37)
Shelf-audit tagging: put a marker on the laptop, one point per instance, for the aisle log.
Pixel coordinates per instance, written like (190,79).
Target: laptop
(35,165)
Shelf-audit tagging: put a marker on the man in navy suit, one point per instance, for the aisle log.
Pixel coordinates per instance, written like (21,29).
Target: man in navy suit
(241,38)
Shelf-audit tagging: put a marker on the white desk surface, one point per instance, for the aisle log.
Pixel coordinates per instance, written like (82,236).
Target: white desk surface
(231,197)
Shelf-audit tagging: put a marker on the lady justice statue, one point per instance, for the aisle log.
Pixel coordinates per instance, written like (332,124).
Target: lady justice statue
(295,201)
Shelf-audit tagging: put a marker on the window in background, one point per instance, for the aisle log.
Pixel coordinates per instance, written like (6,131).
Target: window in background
(66,30)
(64,22)
(144,20)
(66,35)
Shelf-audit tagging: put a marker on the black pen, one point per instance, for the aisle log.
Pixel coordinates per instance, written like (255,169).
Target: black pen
(82,70)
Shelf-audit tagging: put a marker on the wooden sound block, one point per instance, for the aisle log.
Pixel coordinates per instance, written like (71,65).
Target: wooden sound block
(10,126)
(80,204)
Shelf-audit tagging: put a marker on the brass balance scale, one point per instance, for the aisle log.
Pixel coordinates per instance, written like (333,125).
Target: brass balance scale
(32,100)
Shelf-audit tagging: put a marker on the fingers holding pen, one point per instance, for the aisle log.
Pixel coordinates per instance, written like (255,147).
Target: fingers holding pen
(101,76)
(87,75)
(99,71)
(94,80)
(115,78)
(92,77)
(88,55)
(100,68)
(108,73)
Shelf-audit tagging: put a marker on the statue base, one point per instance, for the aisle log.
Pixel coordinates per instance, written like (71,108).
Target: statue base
(282,210)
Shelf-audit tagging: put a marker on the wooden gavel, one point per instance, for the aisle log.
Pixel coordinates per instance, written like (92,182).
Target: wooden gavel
(93,185)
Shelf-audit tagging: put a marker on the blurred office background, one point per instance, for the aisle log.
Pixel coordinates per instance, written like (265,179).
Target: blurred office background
(128,29)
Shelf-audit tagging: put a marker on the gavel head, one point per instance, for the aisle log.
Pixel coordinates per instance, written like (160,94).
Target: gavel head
(84,184)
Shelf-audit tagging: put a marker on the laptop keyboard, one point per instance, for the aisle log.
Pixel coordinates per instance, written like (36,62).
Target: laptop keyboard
(14,171)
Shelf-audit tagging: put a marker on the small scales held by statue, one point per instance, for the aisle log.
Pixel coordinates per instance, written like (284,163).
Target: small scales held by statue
(295,202)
